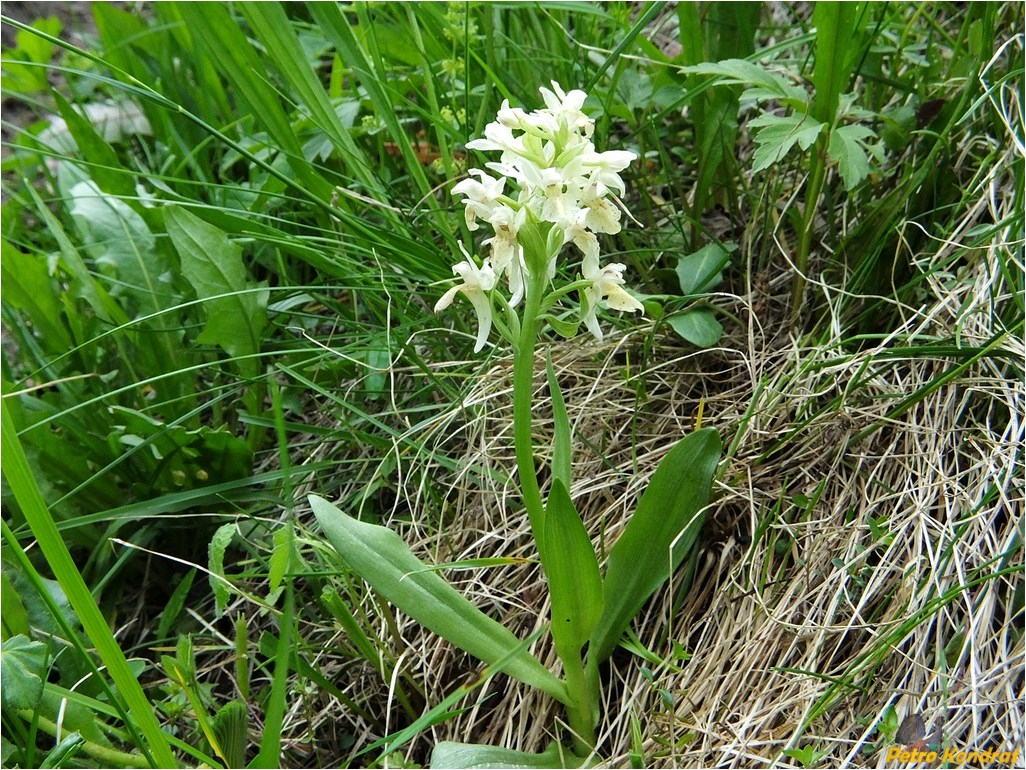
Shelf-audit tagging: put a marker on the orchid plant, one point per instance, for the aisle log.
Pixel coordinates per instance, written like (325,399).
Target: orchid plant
(550,193)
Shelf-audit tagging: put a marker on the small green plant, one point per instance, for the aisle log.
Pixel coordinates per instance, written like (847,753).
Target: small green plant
(561,191)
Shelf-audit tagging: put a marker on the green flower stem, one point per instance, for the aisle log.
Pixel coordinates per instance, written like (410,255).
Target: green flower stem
(523,390)
(582,708)
(581,711)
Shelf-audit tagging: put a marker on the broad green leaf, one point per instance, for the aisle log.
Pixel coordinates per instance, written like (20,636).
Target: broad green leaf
(470,756)
(702,270)
(28,287)
(659,535)
(213,265)
(381,558)
(22,664)
(215,563)
(778,134)
(699,327)
(847,148)
(575,584)
(123,247)
(562,448)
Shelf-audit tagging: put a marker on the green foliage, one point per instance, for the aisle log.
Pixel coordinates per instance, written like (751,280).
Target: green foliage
(24,67)
(236,315)
(660,534)
(572,571)
(447,754)
(215,562)
(697,326)
(219,197)
(23,668)
(381,558)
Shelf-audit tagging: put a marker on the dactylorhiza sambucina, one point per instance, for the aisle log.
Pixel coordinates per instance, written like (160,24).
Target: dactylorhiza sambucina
(549,174)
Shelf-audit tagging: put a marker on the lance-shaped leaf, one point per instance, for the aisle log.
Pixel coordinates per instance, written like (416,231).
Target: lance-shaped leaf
(448,754)
(659,535)
(381,558)
(575,583)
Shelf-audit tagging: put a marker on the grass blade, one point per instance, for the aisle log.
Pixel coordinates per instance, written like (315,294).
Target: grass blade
(23,485)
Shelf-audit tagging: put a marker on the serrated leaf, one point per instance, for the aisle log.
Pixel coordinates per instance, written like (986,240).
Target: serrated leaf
(701,270)
(215,563)
(470,756)
(213,265)
(575,584)
(699,327)
(746,73)
(846,147)
(22,663)
(778,134)
(381,558)
(659,535)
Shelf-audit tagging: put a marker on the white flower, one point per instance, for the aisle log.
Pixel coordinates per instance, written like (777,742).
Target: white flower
(482,196)
(477,282)
(606,283)
(605,167)
(568,107)
(555,176)
(601,216)
(507,253)
(498,137)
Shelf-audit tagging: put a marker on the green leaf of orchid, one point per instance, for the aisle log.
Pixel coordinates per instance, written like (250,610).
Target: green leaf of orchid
(575,583)
(471,756)
(562,448)
(381,558)
(565,329)
(661,533)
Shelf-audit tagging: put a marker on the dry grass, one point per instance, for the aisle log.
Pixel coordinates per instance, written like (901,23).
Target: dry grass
(890,584)
(863,551)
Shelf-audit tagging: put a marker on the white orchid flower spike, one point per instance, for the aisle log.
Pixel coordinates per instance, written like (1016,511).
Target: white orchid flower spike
(549,179)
